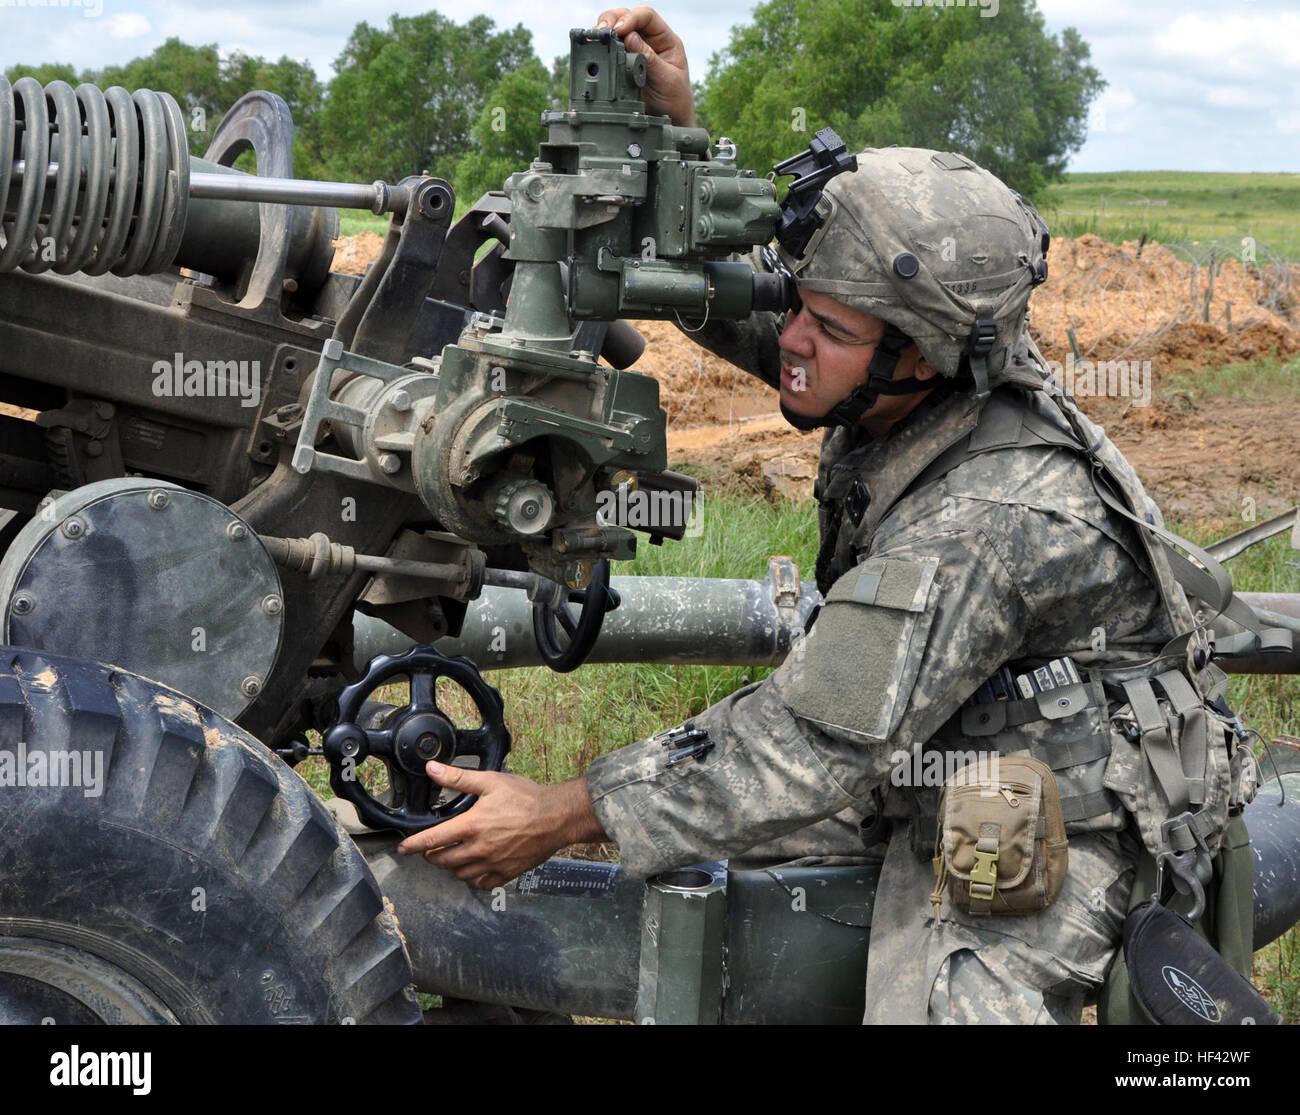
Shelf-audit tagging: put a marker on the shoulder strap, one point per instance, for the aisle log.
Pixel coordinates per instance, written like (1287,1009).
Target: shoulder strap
(1009,423)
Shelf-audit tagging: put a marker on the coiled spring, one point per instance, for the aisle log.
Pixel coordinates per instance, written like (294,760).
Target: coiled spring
(91,180)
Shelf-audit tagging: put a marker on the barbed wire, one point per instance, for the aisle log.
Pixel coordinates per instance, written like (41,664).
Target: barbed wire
(1109,307)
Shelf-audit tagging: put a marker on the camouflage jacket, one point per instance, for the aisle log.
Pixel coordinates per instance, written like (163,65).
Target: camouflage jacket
(1009,559)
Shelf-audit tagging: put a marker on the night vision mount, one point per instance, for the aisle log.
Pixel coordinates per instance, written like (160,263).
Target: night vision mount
(801,215)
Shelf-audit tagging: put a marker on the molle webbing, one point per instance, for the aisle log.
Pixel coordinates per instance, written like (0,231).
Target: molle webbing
(1081,737)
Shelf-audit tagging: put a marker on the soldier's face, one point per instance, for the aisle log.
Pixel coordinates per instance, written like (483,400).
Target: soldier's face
(825,350)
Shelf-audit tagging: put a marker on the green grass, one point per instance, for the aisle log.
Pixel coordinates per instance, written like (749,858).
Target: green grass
(1179,206)
(352,221)
(1270,379)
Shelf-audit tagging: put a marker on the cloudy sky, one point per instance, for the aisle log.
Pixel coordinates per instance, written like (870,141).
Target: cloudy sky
(1193,84)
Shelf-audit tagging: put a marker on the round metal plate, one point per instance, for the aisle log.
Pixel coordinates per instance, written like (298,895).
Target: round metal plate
(146,575)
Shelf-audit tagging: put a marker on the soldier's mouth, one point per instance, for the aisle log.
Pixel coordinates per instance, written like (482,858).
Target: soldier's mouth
(794,377)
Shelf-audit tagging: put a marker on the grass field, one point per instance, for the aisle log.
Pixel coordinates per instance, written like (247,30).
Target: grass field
(1180,206)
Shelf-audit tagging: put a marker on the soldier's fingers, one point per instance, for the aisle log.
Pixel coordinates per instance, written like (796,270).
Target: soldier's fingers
(449,832)
(610,16)
(650,23)
(459,778)
(456,856)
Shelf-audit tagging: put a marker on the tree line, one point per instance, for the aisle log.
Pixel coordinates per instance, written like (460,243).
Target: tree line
(463,100)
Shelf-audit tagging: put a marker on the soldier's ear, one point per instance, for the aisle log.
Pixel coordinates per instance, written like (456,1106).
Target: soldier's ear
(924,370)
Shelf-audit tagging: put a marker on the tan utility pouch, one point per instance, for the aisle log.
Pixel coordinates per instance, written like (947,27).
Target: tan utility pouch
(1001,843)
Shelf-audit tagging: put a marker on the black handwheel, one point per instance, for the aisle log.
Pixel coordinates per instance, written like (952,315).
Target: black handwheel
(563,655)
(410,737)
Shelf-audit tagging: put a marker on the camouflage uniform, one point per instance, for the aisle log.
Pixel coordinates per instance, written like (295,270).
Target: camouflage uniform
(1010,558)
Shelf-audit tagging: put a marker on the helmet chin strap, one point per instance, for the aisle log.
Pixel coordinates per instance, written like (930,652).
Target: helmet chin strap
(880,381)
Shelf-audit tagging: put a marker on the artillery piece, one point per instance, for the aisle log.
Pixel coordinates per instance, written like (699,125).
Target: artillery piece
(241,491)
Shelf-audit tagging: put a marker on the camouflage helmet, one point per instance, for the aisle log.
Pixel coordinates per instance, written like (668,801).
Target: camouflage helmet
(933,245)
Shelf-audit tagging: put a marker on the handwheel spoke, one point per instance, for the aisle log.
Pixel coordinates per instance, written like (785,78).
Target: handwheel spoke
(415,793)
(566,620)
(422,691)
(380,742)
(473,742)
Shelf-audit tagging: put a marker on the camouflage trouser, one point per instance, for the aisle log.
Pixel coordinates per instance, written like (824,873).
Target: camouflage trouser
(1029,970)
(966,969)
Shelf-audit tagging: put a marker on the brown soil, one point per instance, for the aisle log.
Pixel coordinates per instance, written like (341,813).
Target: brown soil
(353,254)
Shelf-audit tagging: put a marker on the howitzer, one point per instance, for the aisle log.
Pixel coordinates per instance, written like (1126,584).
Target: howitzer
(243,491)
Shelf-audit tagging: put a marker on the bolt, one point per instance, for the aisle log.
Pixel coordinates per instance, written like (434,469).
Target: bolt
(158,499)
(426,744)
(272,605)
(390,462)
(400,400)
(350,748)
(23,604)
(251,686)
(1063,702)
(105,410)
(236,532)
(73,528)
(634,149)
(625,476)
(94,449)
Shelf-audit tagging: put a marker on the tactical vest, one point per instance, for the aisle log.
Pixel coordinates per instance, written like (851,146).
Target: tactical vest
(1155,741)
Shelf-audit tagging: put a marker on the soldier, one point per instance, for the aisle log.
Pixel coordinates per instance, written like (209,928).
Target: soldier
(964,546)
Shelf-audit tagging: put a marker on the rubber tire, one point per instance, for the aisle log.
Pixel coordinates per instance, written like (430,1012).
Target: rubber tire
(289,926)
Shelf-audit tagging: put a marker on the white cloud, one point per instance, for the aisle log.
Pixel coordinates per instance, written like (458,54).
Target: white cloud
(127,25)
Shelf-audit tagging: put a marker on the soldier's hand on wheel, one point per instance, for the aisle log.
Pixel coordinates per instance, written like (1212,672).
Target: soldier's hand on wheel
(515,824)
(668,83)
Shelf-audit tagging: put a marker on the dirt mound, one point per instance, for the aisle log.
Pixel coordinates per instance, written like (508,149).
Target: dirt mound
(1180,306)
(353,254)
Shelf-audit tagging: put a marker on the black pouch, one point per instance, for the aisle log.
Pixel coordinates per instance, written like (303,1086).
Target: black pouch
(1179,980)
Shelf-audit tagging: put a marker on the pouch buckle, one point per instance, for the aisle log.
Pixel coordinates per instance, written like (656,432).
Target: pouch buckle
(984,875)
